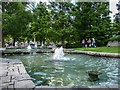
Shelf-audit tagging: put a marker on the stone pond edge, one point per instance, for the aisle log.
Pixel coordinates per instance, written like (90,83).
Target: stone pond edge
(70,51)
(99,54)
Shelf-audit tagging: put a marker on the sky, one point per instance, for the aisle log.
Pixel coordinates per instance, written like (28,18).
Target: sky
(112,6)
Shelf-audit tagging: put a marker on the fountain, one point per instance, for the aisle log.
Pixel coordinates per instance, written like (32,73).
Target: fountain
(42,44)
(29,47)
(59,54)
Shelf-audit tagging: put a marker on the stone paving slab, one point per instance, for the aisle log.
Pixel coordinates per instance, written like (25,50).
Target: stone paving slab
(2,49)
(21,77)
(2,74)
(45,88)
(77,88)
(14,75)
(6,85)
(5,79)
(24,84)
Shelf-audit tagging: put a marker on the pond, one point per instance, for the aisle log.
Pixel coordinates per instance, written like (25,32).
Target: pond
(69,71)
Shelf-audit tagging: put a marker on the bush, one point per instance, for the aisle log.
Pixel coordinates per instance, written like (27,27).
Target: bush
(73,45)
(115,38)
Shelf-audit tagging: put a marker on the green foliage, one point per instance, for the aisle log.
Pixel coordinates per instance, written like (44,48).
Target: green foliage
(40,23)
(92,20)
(115,38)
(61,21)
(15,19)
(73,45)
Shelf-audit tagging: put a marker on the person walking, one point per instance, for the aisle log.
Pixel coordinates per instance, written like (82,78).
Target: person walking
(86,43)
(35,44)
(31,42)
(6,44)
(26,43)
(11,44)
(93,42)
(16,43)
(83,43)
(89,43)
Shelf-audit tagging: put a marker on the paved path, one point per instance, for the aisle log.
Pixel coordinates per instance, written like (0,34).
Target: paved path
(14,75)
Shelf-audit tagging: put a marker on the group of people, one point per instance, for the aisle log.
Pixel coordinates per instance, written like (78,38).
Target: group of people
(26,43)
(88,42)
(22,44)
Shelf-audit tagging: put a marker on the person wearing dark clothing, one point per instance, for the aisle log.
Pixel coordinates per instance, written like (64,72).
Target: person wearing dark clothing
(89,43)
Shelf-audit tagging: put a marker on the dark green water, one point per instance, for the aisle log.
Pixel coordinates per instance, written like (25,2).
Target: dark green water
(69,71)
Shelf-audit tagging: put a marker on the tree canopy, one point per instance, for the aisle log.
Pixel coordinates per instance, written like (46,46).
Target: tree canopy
(59,22)
(15,19)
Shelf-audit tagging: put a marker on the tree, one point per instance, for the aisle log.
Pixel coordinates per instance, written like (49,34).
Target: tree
(0,24)
(15,19)
(92,20)
(61,21)
(40,23)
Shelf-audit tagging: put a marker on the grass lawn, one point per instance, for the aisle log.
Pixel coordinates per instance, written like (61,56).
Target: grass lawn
(101,49)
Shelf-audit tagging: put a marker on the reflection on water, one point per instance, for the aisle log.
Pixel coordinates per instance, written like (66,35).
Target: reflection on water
(70,71)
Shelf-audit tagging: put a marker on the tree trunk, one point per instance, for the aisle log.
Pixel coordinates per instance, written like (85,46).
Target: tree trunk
(67,44)
(40,42)
(34,40)
(2,34)
(44,41)
(63,42)
(2,41)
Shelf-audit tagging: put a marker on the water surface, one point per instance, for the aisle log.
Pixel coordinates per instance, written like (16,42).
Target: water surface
(26,50)
(71,70)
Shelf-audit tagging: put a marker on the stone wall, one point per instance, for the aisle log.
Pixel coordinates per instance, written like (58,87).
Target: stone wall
(99,54)
(114,43)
